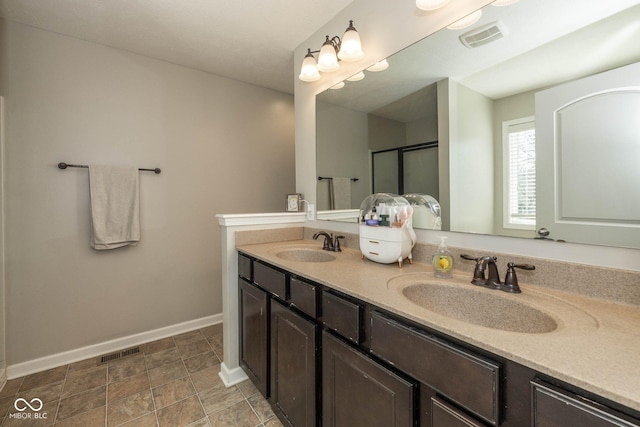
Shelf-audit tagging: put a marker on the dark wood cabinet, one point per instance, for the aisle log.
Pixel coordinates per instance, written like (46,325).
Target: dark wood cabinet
(342,316)
(472,381)
(554,407)
(358,391)
(293,366)
(325,358)
(254,334)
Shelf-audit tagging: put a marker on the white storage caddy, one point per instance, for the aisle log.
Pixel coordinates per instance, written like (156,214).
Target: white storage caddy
(391,243)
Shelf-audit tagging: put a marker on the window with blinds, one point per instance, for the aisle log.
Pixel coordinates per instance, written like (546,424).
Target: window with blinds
(519,161)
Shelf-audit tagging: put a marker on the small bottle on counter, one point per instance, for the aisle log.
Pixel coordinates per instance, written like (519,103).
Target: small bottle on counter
(442,260)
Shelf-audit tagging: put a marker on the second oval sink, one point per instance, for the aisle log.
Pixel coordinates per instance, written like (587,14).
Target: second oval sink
(480,307)
(305,255)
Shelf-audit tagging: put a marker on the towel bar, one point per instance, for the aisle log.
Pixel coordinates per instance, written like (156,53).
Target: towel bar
(63,165)
(320,178)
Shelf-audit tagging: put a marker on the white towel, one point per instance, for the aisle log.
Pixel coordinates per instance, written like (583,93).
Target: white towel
(341,193)
(115,206)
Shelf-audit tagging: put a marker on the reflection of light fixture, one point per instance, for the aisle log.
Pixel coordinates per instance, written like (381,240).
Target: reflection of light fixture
(337,86)
(379,66)
(356,77)
(348,49)
(501,3)
(431,4)
(467,21)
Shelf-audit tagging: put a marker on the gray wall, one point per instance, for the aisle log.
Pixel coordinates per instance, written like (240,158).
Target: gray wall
(223,146)
(344,153)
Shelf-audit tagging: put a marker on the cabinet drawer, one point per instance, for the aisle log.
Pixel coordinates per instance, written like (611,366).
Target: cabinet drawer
(554,408)
(244,267)
(445,415)
(342,316)
(381,251)
(270,279)
(468,379)
(303,296)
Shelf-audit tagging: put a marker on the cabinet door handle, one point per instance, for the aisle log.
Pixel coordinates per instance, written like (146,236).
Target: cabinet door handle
(374,253)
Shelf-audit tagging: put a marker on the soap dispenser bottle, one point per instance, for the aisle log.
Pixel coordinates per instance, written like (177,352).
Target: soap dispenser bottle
(442,260)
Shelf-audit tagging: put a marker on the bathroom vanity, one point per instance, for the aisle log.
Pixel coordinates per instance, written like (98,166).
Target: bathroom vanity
(334,340)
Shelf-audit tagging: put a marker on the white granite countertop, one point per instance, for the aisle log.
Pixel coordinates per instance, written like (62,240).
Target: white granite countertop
(596,345)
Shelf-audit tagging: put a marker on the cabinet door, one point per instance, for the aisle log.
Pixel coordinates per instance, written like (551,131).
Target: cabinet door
(254,304)
(357,391)
(445,415)
(293,366)
(554,408)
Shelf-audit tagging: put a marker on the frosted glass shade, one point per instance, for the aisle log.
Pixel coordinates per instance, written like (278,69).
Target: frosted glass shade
(379,66)
(350,48)
(309,70)
(431,4)
(327,59)
(337,86)
(356,77)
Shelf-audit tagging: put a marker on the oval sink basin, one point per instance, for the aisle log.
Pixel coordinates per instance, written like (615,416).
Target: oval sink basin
(306,255)
(480,307)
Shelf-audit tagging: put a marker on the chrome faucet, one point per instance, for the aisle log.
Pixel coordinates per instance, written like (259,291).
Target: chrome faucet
(330,243)
(482,264)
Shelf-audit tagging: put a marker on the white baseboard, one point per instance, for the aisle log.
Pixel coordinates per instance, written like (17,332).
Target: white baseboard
(231,376)
(3,378)
(64,358)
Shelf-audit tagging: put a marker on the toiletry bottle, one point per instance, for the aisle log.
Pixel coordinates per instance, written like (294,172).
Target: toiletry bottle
(442,260)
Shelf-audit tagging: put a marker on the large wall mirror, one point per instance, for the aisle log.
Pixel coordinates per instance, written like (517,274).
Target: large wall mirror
(478,110)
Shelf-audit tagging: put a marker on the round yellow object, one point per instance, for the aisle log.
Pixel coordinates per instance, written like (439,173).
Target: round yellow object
(444,263)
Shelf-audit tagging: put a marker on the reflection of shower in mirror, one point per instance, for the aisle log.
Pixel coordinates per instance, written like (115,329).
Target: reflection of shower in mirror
(426,211)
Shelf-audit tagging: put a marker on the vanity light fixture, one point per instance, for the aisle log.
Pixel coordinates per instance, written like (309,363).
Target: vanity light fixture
(429,5)
(337,86)
(379,66)
(501,3)
(467,21)
(356,77)
(309,70)
(333,49)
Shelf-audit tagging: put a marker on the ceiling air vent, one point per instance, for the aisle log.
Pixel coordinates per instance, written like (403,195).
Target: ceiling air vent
(484,34)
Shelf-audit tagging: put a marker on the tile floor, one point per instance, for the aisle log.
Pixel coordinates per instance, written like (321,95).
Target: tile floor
(172,382)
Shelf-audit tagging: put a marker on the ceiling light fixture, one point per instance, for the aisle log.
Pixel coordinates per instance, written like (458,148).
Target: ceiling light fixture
(467,21)
(430,5)
(379,66)
(333,49)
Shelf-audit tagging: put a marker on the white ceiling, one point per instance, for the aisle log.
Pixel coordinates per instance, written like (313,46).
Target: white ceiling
(249,40)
